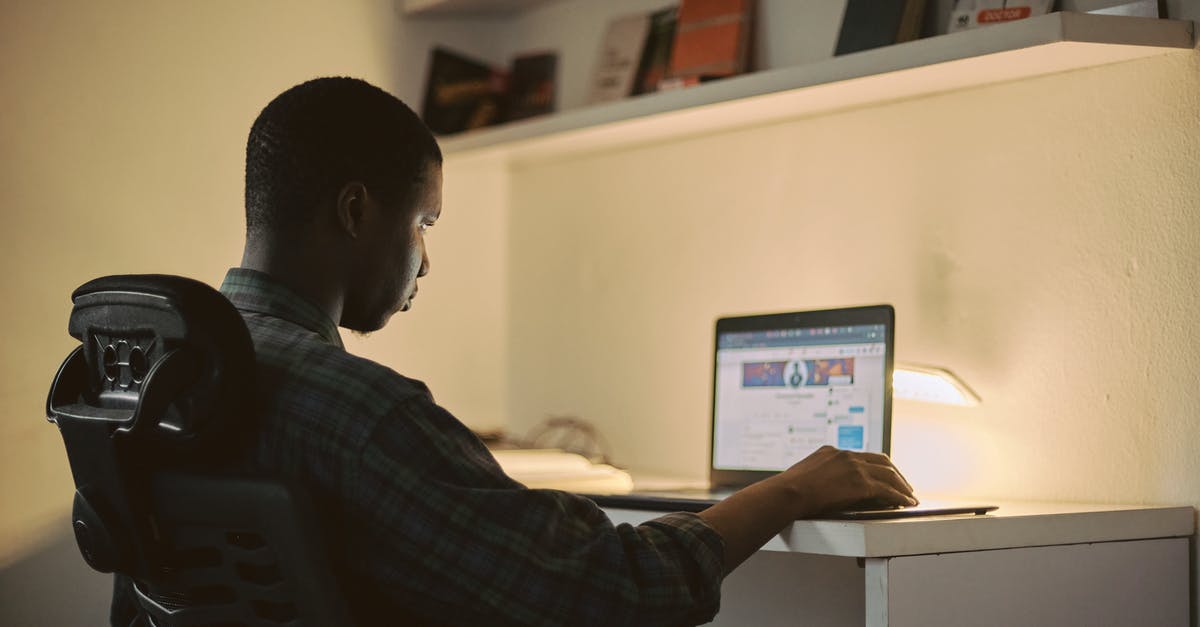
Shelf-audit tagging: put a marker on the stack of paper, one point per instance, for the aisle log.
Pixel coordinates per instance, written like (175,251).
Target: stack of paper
(558,470)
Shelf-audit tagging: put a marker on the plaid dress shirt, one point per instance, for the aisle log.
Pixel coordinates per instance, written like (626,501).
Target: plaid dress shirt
(424,526)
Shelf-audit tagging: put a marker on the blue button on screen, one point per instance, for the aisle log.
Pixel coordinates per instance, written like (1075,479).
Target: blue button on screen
(850,437)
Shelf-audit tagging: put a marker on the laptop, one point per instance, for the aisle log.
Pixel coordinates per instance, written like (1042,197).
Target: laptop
(786,384)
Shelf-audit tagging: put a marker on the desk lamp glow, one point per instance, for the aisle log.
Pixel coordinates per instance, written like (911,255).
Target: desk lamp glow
(933,385)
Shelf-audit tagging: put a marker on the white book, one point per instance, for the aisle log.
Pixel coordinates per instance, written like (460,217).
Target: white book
(974,13)
(619,56)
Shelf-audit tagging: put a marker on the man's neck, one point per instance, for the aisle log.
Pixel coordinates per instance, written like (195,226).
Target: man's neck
(311,276)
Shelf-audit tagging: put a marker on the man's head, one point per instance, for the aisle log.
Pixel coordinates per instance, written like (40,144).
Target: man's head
(343,175)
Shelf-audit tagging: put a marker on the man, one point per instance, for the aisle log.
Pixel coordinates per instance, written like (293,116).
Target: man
(342,182)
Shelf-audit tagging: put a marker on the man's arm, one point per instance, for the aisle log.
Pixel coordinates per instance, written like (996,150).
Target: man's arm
(828,480)
(438,529)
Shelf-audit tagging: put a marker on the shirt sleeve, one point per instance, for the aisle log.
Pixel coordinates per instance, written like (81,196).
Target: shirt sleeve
(454,539)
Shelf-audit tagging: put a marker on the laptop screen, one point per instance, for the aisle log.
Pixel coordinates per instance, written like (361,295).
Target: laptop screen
(787,384)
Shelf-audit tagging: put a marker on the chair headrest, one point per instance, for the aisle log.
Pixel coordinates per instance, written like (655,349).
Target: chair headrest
(164,357)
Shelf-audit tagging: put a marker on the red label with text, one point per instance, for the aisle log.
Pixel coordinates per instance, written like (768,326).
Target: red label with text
(988,16)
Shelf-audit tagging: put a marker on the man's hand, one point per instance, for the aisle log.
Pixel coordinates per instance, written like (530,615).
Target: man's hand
(828,480)
(831,480)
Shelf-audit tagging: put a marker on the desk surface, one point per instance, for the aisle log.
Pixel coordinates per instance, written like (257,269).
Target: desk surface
(1013,525)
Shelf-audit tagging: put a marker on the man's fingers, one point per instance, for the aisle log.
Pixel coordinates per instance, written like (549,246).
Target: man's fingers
(889,476)
(875,458)
(893,496)
(899,475)
(877,463)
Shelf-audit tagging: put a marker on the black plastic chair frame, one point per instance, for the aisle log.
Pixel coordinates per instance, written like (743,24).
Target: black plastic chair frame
(152,408)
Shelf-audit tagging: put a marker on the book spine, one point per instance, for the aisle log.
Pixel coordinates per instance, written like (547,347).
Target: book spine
(910,22)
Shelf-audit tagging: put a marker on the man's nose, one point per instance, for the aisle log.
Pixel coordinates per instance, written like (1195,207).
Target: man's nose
(424,263)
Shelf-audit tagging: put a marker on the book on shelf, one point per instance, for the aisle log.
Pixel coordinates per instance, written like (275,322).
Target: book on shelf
(554,469)
(531,85)
(656,53)
(619,56)
(461,93)
(712,40)
(868,24)
(973,13)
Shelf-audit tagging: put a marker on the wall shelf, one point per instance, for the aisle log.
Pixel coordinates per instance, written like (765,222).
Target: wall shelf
(1047,44)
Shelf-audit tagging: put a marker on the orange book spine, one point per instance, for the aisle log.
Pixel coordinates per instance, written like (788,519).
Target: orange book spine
(711,39)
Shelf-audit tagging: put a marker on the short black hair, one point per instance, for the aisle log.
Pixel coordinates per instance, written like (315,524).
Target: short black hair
(316,137)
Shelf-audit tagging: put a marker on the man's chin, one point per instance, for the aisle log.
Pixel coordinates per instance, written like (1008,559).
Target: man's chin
(363,329)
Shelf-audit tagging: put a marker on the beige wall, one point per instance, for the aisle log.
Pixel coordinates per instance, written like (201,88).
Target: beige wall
(122,131)
(1041,238)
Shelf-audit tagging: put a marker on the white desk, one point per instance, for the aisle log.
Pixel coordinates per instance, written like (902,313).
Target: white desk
(1025,564)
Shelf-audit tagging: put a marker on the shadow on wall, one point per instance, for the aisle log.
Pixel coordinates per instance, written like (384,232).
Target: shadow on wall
(53,586)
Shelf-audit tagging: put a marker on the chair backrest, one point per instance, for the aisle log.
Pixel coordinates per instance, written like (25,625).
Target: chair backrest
(154,410)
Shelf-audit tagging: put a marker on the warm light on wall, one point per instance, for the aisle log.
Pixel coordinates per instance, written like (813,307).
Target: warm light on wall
(932,385)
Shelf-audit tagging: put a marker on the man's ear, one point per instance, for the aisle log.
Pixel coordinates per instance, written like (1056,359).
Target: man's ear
(352,208)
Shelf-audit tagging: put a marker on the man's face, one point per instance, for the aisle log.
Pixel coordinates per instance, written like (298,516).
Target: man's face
(392,257)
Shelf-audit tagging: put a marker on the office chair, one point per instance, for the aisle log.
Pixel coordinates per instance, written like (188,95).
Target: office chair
(153,410)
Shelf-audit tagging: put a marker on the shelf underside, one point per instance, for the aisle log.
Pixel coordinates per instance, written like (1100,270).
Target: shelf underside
(466,8)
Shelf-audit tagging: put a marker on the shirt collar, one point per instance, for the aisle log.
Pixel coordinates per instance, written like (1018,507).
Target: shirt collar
(254,291)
